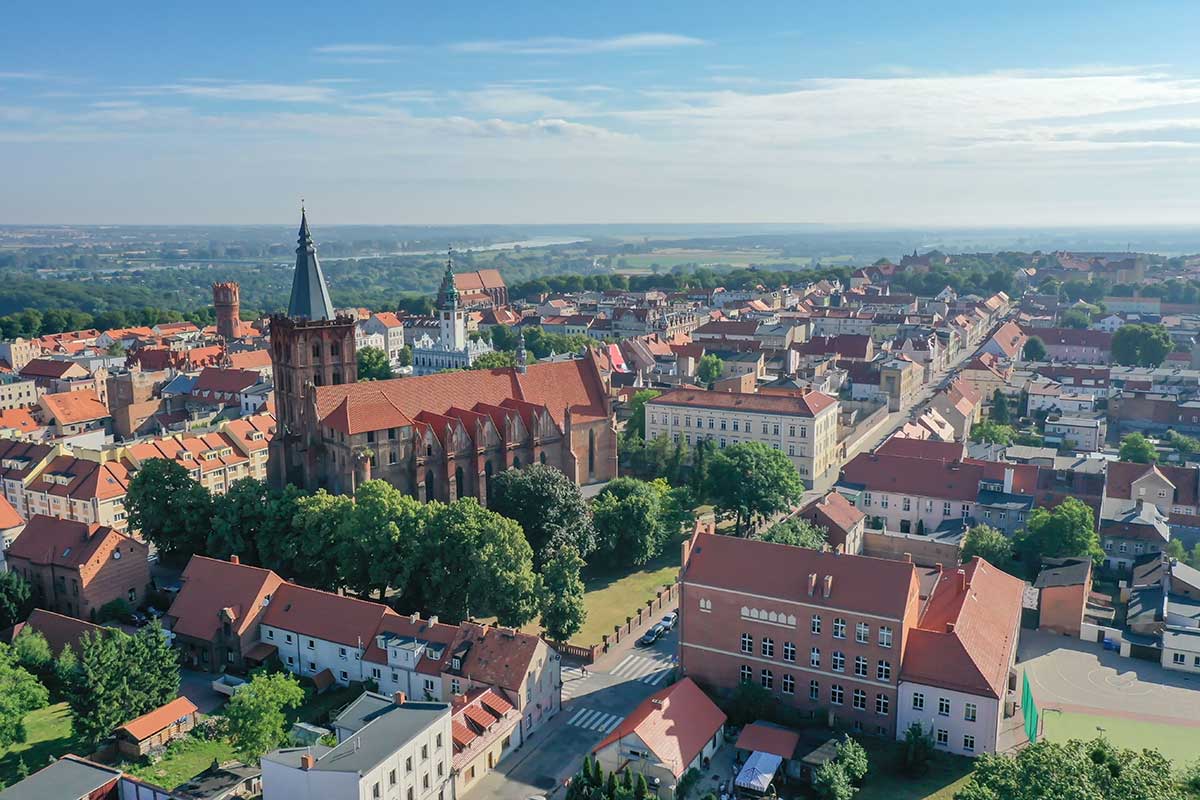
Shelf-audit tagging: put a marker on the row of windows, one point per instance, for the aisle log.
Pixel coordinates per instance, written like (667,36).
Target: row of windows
(1179,660)
(862,635)
(970,710)
(1123,547)
(883,668)
(837,692)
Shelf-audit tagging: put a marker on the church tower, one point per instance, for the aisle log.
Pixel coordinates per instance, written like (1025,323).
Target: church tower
(311,346)
(452,317)
(227,305)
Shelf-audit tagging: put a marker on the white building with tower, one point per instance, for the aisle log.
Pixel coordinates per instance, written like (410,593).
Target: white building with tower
(453,349)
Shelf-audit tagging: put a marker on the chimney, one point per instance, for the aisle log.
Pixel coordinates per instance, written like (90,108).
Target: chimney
(908,557)
(962,580)
(307,762)
(949,627)
(399,697)
(812,583)
(828,586)
(234,560)
(414,618)
(1008,479)
(433,620)
(685,550)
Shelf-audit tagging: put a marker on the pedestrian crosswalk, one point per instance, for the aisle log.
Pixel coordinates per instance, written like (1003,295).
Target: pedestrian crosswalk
(647,669)
(574,682)
(592,720)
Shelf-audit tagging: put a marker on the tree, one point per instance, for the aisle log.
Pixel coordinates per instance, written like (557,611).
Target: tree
(563,610)
(405,356)
(271,528)
(16,600)
(989,544)
(1035,349)
(172,511)
(999,414)
(1176,550)
(316,529)
(32,653)
(373,364)
(20,693)
(1136,447)
(1075,318)
(636,427)
(630,517)
(239,517)
(1066,531)
(379,539)
(475,562)
(852,756)
(548,506)
(495,360)
(992,433)
(832,783)
(708,369)
(798,533)
(753,481)
(1071,770)
(750,703)
(115,610)
(1141,345)
(254,716)
(918,749)
(156,666)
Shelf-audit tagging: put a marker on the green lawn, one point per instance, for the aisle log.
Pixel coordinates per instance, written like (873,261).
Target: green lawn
(1176,742)
(47,736)
(612,595)
(946,775)
(184,760)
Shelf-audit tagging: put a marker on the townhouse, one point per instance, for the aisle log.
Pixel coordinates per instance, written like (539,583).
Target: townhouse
(16,392)
(74,413)
(1077,345)
(961,405)
(1077,432)
(803,425)
(1006,343)
(71,488)
(211,459)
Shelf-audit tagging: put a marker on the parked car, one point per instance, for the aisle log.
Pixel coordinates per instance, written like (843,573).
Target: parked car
(670,620)
(138,619)
(651,636)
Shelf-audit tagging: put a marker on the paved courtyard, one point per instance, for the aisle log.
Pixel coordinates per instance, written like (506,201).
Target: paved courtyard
(1080,677)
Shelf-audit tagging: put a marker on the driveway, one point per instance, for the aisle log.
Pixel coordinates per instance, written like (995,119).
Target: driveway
(197,687)
(1081,677)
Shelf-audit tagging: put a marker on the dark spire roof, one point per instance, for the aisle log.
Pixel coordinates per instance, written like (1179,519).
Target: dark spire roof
(448,292)
(310,295)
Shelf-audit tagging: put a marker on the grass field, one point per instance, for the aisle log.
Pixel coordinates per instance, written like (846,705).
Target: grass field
(1178,743)
(184,760)
(611,596)
(946,775)
(47,736)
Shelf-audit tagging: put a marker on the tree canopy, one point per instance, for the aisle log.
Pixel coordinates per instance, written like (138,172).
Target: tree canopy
(548,506)
(708,369)
(16,600)
(495,360)
(636,427)
(1136,447)
(1067,530)
(563,610)
(753,481)
(20,693)
(254,717)
(989,544)
(1141,345)
(999,413)
(633,519)
(1035,349)
(172,511)
(798,533)
(991,432)
(373,364)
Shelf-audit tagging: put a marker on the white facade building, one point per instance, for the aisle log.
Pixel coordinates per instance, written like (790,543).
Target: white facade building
(453,350)
(961,723)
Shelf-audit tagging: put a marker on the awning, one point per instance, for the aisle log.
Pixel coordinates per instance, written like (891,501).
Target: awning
(758,772)
(261,652)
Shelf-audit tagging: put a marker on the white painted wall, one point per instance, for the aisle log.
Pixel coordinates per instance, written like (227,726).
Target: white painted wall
(985,728)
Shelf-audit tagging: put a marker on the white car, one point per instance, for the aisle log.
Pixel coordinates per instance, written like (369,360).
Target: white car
(670,620)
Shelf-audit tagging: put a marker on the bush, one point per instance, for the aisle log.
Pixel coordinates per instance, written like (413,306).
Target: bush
(115,611)
(686,783)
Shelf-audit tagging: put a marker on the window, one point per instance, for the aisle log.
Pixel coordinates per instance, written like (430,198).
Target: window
(764,427)
(723,425)
(789,684)
(789,651)
(816,624)
(918,701)
(814,657)
(814,690)
(705,604)
(392,778)
(735,424)
(946,509)
(906,503)
(860,666)
(881,704)
(1178,658)
(375,790)
(883,671)
(455,686)
(968,742)
(969,712)
(768,647)
(408,765)
(768,679)
(883,501)
(345,675)
(839,661)
(425,781)
(270,634)
(424,752)
(791,430)
(943,706)
(839,628)
(867,499)
(747,643)
(791,449)
(774,430)
(943,737)
(862,633)
(438,743)
(837,695)
(860,700)
(885,636)
(745,673)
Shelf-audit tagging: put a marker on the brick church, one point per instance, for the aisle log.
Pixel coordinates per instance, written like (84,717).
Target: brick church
(435,437)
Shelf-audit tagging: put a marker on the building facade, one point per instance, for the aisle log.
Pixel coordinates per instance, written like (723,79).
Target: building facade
(452,349)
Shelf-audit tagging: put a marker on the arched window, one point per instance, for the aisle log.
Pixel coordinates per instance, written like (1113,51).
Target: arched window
(487,479)
(429,485)
(591,452)
(458,483)
(429,450)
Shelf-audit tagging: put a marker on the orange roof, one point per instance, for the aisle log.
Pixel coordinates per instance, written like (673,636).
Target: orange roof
(149,724)
(58,630)
(481,279)
(210,586)
(71,407)
(67,543)
(251,359)
(324,615)
(18,419)
(968,632)
(763,738)
(675,723)
(833,511)
(9,518)
(807,405)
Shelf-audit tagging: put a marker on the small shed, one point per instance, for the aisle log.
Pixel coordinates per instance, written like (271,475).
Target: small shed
(156,728)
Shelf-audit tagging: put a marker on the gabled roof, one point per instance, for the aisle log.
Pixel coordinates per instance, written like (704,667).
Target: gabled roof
(58,630)
(210,586)
(496,656)
(675,723)
(49,368)
(1123,474)
(806,405)
(324,615)
(65,543)
(833,511)
(18,419)
(9,518)
(69,408)
(251,359)
(967,635)
(1073,337)
(216,379)
(154,721)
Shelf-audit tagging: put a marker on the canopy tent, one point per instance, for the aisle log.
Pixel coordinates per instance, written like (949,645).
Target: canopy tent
(758,772)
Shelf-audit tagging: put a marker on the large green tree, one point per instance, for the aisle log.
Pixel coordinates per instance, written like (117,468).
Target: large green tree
(548,506)
(563,610)
(632,520)
(1072,770)
(1035,349)
(379,539)
(373,364)
(708,368)
(120,677)
(999,413)
(475,562)
(495,360)
(272,528)
(238,517)
(16,601)
(1141,345)
(989,544)
(1075,318)
(1136,447)
(636,427)
(798,533)
(992,433)
(1067,530)
(254,717)
(170,510)
(20,693)
(753,481)
(316,529)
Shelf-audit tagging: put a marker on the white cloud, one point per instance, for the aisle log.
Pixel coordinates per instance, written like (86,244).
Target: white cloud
(359,49)
(242,91)
(565,45)
(516,101)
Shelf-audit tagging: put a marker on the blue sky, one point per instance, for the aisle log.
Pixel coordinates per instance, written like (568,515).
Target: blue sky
(877,113)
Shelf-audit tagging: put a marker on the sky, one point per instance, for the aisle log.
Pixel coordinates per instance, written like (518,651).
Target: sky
(850,113)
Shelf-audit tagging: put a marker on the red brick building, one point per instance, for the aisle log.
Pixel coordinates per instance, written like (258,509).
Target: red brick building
(74,568)
(823,632)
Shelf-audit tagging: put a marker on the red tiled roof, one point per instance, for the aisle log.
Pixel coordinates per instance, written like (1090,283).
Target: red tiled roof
(959,481)
(80,478)
(18,419)
(497,656)
(149,724)
(9,518)
(72,407)
(494,702)
(1010,339)
(778,570)
(48,368)
(727,328)
(968,632)
(481,717)
(833,511)
(461,734)
(215,379)
(250,359)
(210,586)
(845,345)
(480,279)
(1122,474)
(1073,337)
(675,723)
(927,449)
(807,405)
(761,738)
(64,542)
(417,628)
(324,615)
(58,630)
(18,459)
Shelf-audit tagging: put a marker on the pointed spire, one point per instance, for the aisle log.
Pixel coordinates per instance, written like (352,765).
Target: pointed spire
(310,295)
(521,357)
(448,292)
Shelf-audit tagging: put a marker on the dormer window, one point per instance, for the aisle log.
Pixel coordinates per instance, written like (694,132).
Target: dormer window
(456,663)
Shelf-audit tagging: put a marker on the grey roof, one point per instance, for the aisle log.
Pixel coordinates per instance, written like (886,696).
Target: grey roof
(1063,572)
(1185,574)
(65,779)
(1119,511)
(1187,640)
(180,384)
(310,295)
(1005,501)
(1023,453)
(1145,606)
(290,756)
(219,782)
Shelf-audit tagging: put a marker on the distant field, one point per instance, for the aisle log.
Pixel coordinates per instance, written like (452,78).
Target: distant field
(1179,743)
